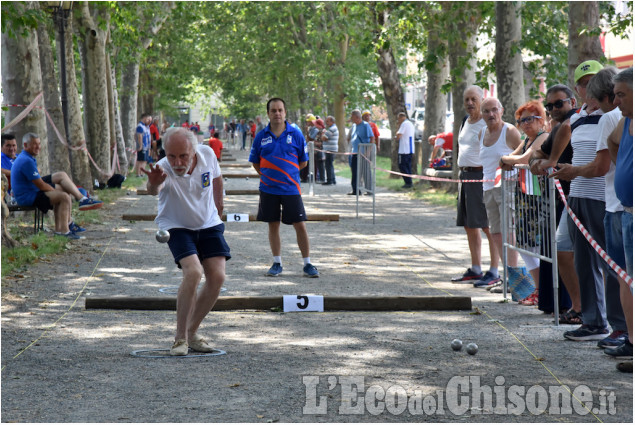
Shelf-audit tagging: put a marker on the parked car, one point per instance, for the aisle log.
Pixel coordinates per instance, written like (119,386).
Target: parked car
(417,119)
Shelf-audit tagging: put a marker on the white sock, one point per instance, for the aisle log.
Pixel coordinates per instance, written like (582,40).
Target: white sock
(476,269)
(307,260)
(494,271)
(277,259)
(83,199)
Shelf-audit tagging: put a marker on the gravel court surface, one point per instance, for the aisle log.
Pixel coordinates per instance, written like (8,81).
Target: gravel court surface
(77,365)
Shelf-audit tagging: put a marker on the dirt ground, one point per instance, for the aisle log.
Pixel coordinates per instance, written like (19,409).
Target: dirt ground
(63,363)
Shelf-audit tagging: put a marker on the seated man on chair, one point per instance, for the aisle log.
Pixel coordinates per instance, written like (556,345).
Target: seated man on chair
(48,192)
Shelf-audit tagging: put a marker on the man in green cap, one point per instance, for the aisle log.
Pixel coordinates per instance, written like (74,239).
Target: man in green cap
(587,200)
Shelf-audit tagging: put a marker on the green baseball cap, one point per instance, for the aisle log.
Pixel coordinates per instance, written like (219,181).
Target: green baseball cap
(587,67)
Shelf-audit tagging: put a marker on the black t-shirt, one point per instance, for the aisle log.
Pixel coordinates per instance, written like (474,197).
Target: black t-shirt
(567,154)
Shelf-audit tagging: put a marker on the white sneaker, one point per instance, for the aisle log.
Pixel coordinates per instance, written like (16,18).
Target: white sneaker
(179,348)
(198,343)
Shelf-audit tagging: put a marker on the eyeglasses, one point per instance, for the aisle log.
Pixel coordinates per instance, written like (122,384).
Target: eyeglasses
(527,120)
(558,104)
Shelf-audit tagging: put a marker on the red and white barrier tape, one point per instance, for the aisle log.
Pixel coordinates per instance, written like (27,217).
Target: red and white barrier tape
(82,145)
(612,264)
(24,113)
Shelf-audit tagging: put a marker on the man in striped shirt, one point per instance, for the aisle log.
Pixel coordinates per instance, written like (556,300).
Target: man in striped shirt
(586,199)
(600,90)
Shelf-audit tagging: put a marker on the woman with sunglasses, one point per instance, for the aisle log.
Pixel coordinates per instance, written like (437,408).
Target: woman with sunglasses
(531,119)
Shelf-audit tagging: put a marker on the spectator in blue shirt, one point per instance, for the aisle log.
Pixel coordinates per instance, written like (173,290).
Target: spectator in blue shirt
(143,140)
(361,132)
(51,192)
(9,148)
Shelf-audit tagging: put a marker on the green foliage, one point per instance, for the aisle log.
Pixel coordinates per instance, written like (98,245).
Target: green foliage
(387,180)
(33,248)
(18,19)
(619,24)
(545,38)
(250,51)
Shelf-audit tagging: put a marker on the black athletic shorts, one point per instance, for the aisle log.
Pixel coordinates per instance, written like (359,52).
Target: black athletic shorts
(471,210)
(42,202)
(48,179)
(292,208)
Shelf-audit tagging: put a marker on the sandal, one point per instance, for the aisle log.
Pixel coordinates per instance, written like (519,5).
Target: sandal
(571,317)
(530,300)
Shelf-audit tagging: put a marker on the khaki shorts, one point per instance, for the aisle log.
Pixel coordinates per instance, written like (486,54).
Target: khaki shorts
(493,200)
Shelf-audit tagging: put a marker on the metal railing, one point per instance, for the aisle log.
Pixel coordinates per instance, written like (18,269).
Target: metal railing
(529,221)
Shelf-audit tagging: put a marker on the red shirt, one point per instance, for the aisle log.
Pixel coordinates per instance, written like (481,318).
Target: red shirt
(154,131)
(216,145)
(253,130)
(373,126)
(448,138)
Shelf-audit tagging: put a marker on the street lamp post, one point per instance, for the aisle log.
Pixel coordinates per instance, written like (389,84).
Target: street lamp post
(61,12)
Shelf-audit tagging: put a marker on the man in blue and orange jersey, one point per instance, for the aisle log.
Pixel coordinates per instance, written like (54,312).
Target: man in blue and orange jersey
(278,154)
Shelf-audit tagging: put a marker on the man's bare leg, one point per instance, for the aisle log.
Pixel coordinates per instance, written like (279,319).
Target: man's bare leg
(61,179)
(569,276)
(61,202)
(214,269)
(474,243)
(302,237)
(493,248)
(274,238)
(186,297)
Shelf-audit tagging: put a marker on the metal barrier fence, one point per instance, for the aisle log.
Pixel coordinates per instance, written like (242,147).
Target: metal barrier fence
(529,221)
(366,172)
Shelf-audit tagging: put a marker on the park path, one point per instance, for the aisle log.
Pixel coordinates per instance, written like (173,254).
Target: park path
(63,363)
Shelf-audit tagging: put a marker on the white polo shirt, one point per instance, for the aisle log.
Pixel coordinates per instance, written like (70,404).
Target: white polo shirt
(407,140)
(188,201)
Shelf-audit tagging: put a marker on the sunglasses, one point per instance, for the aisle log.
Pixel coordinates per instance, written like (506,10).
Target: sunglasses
(558,104)
(527,120)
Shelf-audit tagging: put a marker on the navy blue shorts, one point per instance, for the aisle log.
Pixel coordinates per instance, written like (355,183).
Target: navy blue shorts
(205,243)
(292,208)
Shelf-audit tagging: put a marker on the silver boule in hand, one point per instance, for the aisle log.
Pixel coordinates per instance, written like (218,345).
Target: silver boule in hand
(163,236)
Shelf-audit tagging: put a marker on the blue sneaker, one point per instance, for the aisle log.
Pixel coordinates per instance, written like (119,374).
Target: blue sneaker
(89,204)
(587,333)
(487,280)
(467,276)
(310,271)
(616,339)
(275,270)
(75,228)
(622,352)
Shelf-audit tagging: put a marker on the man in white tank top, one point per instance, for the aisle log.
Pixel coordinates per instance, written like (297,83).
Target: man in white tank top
(497,139)
(470,210)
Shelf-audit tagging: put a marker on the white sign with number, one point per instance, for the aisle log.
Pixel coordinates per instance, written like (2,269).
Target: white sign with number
(235,217)
(303,303)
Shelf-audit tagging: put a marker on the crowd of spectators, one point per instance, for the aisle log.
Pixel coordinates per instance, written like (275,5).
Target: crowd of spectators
(589,150)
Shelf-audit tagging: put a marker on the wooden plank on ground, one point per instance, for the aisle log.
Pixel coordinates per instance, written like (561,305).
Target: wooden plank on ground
(331,303)
(252,217)
(227,192)
(248,165)
(241,175)
(242,192)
